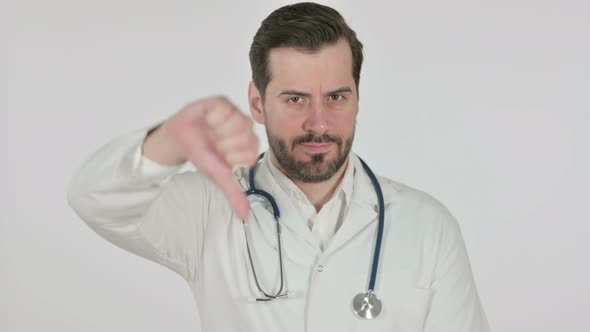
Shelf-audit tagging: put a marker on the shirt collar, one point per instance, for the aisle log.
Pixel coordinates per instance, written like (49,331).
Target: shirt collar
(345,186)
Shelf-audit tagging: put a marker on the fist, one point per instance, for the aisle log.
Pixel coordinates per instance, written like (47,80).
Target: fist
(216,136)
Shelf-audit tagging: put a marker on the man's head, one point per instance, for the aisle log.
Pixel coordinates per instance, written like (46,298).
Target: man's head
(306,65)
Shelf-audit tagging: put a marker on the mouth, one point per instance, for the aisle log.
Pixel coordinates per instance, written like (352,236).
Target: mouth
(316,147)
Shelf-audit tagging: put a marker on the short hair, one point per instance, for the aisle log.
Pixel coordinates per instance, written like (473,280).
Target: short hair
(307,26)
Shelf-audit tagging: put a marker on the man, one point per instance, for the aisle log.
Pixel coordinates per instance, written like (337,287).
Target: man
(306,65)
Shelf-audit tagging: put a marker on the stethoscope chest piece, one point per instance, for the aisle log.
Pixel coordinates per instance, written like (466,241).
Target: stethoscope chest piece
(366,305)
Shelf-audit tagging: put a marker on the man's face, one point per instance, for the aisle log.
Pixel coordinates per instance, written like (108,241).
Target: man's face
(310,110)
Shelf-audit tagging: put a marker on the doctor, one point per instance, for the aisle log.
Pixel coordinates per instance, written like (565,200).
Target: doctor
(312,268)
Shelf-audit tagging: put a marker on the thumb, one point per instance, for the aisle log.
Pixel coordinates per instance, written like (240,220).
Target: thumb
(221,174)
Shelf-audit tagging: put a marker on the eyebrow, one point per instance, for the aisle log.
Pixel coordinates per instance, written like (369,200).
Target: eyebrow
(305,94)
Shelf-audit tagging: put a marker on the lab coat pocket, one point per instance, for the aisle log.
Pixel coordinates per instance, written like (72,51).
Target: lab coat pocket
(404,310)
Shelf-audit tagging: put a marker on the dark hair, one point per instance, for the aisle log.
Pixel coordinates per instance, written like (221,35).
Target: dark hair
(307,26)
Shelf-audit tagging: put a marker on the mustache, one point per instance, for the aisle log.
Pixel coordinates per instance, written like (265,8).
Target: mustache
(311,138)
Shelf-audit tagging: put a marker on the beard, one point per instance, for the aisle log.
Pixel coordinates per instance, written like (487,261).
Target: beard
(319,168)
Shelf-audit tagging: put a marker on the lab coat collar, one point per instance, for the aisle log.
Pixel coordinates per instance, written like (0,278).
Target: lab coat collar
(364,207)
(299,244)
(362,182)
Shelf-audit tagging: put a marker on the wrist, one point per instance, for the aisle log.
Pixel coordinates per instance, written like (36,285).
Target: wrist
(160,147)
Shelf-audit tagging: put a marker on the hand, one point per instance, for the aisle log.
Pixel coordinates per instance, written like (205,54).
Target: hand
(215,136)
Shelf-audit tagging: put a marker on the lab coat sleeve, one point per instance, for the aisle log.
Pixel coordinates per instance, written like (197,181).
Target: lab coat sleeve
(141,206)
(456,306)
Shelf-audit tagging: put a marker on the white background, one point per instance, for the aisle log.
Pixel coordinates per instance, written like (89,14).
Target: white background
(484,105)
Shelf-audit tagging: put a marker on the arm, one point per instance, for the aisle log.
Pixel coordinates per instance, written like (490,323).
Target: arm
(456,306)
(140,205)
(131,191)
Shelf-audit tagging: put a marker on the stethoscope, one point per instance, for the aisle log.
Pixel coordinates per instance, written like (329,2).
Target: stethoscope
(365,304)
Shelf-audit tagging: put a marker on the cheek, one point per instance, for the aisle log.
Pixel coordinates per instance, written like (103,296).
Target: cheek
(286,124)
(345,124)
(347,119)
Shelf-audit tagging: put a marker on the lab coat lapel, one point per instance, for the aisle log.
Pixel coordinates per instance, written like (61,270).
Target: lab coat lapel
(363,208)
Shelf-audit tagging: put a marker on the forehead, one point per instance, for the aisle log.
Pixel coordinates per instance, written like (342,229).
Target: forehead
(330,65)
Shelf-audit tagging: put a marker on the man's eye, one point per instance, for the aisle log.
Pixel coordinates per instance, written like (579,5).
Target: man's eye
(294,100)
(336,97)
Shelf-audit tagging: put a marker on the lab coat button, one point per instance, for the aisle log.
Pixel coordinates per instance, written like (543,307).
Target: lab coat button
(320,268)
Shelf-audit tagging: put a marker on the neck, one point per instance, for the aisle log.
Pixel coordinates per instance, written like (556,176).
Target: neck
(318,193)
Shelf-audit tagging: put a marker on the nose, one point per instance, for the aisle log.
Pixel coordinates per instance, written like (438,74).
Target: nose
(317,122)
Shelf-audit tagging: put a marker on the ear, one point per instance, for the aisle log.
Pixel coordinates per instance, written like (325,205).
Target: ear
(255,103)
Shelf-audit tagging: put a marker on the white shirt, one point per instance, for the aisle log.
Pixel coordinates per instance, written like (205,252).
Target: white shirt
(324,223)
(182,221)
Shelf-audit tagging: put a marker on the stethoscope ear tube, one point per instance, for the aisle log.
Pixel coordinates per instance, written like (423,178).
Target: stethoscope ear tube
(381,203)
(277,214)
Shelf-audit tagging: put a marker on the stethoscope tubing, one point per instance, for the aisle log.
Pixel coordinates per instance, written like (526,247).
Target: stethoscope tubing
(276,213)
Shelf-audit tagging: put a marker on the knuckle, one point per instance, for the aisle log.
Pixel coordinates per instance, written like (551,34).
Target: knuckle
(239,126)
(217,98)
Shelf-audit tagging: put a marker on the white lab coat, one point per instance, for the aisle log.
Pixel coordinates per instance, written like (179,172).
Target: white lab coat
(182,221)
